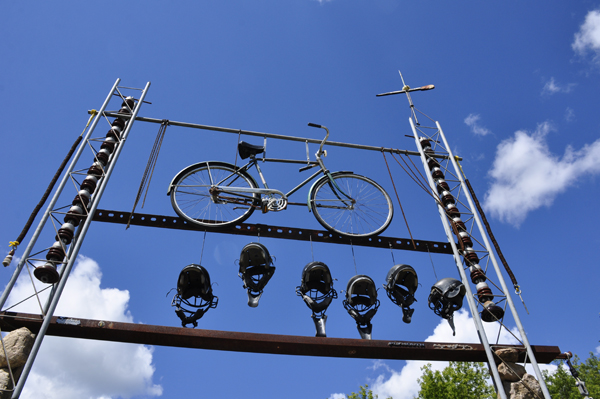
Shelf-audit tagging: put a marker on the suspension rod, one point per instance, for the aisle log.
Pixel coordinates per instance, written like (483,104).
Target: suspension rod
(278,136)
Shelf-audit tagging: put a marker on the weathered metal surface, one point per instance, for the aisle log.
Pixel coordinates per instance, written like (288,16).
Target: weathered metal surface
(293,233)
(261,343)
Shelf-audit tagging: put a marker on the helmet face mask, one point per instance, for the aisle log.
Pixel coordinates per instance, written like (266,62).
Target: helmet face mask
(317,292)
(194,294)
(256,269)
(446,297)
(401,284)
(361,303)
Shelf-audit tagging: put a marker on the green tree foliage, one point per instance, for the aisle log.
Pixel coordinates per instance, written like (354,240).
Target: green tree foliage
(460,380)
(561,383)
(364,393)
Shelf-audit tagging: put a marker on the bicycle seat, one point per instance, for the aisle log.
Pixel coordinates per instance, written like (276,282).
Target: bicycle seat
(248,150)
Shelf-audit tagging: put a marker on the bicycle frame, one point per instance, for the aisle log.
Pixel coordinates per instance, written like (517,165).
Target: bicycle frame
(214,193)
(254,162)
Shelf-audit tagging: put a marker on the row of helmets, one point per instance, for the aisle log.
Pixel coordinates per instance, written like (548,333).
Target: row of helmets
(195,296)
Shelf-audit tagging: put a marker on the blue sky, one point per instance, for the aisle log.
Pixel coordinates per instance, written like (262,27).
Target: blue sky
(516,94)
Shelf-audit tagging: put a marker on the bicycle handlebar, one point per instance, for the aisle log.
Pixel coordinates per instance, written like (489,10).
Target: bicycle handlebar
(324,140)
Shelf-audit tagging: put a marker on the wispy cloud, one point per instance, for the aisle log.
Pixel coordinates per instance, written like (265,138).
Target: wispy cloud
(473,122)
(75,368)
(569,114)
(526,175)
(551,87)
(588,38)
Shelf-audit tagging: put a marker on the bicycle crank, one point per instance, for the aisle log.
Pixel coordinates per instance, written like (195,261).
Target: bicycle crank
(273,201)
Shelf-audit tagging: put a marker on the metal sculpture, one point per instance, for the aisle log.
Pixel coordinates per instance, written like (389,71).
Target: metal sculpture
(491,312)
(78,212)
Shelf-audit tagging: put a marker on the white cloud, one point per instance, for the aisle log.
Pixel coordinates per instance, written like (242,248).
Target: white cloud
(337,396)
(473,122)
(588,37)
(403,384)
(551,87)
(75,368)
(527,176)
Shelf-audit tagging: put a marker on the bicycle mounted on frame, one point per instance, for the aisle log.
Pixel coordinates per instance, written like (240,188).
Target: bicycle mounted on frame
(214,194)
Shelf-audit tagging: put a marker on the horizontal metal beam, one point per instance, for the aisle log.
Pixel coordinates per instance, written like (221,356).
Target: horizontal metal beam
(292,233)
(276,136)
(262,343)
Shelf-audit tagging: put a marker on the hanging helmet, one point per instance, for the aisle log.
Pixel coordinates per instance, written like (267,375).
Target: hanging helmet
(256,269)
(361,303)
(401,283)
(317,292)
(193,291)
(446,297)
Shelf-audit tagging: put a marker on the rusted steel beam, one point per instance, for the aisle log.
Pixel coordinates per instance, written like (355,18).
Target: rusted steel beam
(261,343)
(292,233)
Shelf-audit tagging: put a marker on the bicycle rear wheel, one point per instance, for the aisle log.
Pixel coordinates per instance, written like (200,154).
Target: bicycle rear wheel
(355,206)
(205,194)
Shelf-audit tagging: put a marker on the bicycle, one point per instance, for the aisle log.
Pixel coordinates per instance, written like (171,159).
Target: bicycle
(216,194)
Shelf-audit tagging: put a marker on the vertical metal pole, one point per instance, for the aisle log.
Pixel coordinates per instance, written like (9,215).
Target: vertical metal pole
(62,282)
(470,299)
(58,192)
(511,304)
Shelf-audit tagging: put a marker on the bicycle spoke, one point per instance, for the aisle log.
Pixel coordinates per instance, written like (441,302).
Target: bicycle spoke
(368,212)
(198,201)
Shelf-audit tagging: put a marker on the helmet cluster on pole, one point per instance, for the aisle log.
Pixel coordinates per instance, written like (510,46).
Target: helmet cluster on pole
(78,211)
(491,312)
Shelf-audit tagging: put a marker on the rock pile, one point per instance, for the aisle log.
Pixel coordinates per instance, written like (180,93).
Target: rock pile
(517,383)
(17,346)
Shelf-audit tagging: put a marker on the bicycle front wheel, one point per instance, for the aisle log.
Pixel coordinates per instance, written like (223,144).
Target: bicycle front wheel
(207,194)
(351,205)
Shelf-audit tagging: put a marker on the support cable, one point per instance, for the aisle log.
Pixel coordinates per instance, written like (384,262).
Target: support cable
(14,244)
(353,257)
(202,251)
(147,177)
(398,198)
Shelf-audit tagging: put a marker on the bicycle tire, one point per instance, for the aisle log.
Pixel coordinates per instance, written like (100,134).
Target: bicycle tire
(191,199)
(370,214)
